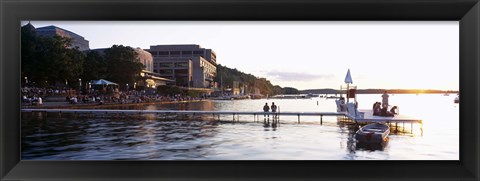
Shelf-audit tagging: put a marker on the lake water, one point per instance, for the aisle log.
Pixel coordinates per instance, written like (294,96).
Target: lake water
(205,138)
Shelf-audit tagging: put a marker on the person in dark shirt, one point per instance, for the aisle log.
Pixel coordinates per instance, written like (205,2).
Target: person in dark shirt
(266,108)
(274,109)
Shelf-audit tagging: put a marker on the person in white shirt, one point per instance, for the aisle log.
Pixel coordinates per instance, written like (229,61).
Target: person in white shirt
(40,102)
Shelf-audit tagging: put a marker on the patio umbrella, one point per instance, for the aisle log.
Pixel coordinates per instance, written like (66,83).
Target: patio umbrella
(348,78)
(103,82)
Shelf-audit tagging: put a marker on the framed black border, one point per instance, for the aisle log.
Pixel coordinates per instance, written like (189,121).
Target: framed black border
(465,11)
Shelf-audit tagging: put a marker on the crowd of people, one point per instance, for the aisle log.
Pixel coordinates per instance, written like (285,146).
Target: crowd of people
(125,98)
(33,96)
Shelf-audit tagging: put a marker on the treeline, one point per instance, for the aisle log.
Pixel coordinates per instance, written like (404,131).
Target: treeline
(49,62)
(227,76)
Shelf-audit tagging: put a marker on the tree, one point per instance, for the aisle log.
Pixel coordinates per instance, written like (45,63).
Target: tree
(94,67)
(168,90)
(122,67)
(47,60)
(290,90)
(227,75)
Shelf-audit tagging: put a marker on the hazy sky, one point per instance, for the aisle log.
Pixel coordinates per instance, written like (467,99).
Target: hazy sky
(304,55)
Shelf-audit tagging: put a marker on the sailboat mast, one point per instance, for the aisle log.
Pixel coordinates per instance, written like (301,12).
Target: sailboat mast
(348,96)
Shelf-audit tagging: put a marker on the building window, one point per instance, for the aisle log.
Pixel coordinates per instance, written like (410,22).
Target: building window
(183,71)
(198,52)
(154,53)
(175,53)
(166,71)
(166,65)
(187,53)
(163,53)
(183,64)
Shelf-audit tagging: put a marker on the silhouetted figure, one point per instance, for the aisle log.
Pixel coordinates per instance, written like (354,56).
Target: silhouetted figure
(385,99)
(394,110)
(266,108)
(274,110)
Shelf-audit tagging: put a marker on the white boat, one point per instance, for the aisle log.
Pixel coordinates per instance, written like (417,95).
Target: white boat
(373,133)
(457,99)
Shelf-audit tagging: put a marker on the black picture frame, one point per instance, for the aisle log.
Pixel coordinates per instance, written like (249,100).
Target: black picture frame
(467,12)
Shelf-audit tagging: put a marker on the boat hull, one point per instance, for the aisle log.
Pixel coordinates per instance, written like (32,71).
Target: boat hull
(373,133)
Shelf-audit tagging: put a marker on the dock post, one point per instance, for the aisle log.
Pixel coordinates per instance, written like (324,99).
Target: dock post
(254,118)
(403,127)
(396,127)
(321,119)
(411,128)
(421,128)
(298,118)
(233,116)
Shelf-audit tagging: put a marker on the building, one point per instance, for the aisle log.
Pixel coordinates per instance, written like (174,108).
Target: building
(189,65)
(145,58)
(77,40)
(150,78)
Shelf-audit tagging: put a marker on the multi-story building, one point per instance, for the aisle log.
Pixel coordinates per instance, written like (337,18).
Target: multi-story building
(77,40)
(145,58)
(189,65)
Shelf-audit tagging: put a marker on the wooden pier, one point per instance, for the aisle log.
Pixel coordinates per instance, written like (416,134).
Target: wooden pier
(234,114)
(367,118)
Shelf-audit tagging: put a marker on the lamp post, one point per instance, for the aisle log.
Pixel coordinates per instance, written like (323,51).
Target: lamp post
(135,85)
(127,88)
(26,81)
(80,85)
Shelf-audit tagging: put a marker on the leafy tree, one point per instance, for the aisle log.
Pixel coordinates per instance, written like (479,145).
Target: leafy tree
(47,60)
(290,90)
(227,75)
(168,90)
(94,67)
(121,66)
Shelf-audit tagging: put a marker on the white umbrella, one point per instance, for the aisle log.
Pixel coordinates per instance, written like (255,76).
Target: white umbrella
(348,78)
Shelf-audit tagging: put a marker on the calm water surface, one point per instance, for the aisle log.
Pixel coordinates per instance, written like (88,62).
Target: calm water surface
(205,138)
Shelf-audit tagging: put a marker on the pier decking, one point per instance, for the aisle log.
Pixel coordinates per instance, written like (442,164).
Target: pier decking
(368,116)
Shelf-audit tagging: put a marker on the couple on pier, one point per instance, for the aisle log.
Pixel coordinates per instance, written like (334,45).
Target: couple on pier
(266,108)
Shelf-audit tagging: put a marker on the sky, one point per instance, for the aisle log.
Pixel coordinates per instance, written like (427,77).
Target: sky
(303,54)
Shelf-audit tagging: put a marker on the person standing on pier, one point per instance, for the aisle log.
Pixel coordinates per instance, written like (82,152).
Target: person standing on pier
(385,99)
(274,109)
(266,108)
